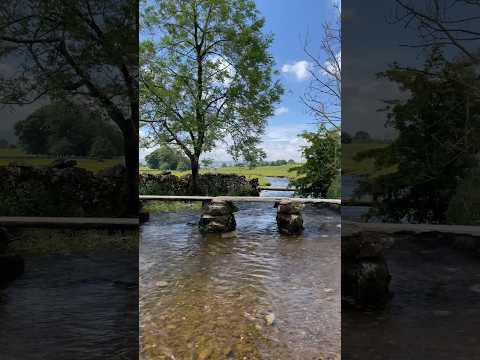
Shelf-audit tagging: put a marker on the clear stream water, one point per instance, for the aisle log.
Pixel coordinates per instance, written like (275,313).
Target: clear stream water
(72,307)
(211,297)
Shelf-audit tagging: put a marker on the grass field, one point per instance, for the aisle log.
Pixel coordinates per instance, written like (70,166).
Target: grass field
(260,172)
(365,167)
(16,155)
(170,206)
(70,242)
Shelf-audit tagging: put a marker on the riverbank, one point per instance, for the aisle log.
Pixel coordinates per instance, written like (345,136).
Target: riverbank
(260,172)
(17,156)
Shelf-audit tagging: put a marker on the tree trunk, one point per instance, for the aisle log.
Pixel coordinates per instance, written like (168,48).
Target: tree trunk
(131,166)
(195,168)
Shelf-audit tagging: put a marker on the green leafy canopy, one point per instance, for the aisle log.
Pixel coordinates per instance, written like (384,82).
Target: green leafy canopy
(206,75)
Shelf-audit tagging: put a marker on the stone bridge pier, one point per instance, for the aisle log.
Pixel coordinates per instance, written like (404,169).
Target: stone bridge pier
(289,218)
(365,274)
(218,217)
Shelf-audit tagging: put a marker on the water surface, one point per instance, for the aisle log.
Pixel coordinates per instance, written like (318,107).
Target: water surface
(209,297)
(72,307)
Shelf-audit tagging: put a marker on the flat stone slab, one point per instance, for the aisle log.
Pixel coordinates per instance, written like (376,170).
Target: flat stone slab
(289,207)
(365,244)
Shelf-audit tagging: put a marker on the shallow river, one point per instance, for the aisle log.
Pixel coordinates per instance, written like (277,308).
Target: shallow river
(72,307)
(212,298)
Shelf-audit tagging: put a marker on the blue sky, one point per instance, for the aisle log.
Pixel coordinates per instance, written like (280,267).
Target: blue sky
(289,22)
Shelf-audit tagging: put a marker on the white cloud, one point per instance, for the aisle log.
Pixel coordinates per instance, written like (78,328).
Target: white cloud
(281,110)
(333,66)
(299,69)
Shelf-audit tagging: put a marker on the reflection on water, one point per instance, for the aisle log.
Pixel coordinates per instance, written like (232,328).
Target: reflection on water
(213,298)
(434,312)
(72,307)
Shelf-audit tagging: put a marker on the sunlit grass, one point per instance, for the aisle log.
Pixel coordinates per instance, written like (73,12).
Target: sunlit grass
(164,206)
(350,166)
(17,156)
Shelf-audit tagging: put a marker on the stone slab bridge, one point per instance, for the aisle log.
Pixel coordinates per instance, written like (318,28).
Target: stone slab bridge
(218,211)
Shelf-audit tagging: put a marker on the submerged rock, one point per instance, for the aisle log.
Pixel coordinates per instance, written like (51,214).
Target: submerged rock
(205,354)
(270,319)
(161,283)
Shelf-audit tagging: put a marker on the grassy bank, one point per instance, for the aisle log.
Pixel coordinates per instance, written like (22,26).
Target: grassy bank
(174,206)
(70,242)
(350,166)
(18,156)
(260,172)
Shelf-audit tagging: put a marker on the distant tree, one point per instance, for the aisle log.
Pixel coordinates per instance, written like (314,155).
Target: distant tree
(361,137)
(3,144)
(322,165)
(346,138)
(206,163)
(183,163)
(291,161)
(154,160)
(207,77)
(224,165)
(254,157)
(65,122)
(33,132)
(62,147)
(166,158)
(437,144)
(102,148)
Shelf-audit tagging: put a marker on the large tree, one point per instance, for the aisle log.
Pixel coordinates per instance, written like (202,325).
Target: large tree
(82,50)
(60,122)
(205,76)
(437,144)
